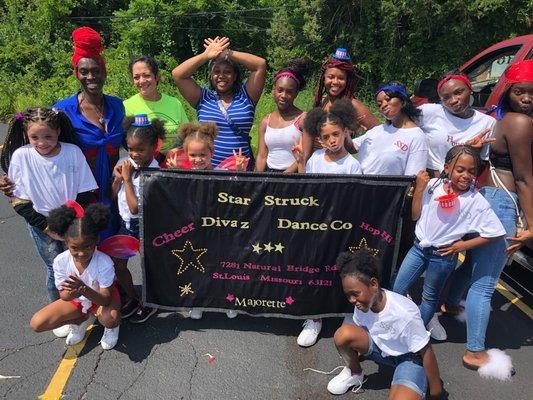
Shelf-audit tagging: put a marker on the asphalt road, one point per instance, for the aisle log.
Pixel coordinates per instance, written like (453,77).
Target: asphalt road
(256,358)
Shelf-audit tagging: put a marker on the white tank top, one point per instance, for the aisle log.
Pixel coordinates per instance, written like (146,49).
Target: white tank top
(279,142)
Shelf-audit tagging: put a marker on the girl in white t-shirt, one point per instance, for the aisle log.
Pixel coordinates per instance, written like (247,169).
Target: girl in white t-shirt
(398,147)
(387,329)
(142,136)
(441,227)
(47,168)
(332,127)
(281,128)
(84,277)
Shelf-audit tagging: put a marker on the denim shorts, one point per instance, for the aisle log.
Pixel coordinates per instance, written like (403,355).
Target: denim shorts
(133,229)
(408,368)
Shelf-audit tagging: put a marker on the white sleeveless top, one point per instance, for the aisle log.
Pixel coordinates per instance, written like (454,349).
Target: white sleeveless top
(280,142)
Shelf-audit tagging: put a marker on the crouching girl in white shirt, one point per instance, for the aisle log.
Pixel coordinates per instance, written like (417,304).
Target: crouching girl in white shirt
(440,230)
(84,277)
(387,329)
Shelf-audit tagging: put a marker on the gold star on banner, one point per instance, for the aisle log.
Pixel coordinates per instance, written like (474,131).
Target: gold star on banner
(279,247)
(189,257)
(268,247)
(186,289)
(256,248)
(363,245)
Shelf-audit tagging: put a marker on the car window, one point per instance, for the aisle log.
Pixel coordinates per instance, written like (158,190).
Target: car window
(485,72)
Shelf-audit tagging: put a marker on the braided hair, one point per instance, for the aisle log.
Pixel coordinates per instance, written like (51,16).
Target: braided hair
(351,79)
(18,127)
(63,221)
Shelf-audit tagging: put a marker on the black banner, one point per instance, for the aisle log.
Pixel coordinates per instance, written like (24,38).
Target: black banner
(262,243)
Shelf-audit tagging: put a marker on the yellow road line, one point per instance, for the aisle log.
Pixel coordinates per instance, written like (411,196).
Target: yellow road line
(504,289)
(54,391)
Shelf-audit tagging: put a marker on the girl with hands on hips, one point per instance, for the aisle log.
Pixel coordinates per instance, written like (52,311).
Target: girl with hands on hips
(441,226)
(84,277)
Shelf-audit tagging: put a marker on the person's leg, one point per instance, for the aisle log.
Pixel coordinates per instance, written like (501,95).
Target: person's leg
(487,263)
(124,277)
(409,380)
(109,317)
(351,341)
(56,314)
(48,249)
(459,283)
(437,272)
(413,266)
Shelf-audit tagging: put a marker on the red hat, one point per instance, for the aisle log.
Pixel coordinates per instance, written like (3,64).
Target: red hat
(87,44)
(521,71)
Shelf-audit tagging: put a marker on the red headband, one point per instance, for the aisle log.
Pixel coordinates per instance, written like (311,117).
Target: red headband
(447,78)
(522,71)
(76,207)
(87,44)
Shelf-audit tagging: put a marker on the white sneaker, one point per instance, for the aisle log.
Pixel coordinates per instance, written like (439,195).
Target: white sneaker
(231,313)
(344,381)
(109,338)
(436,330)
(62,331)
(77,332)
(309,334)
(196,313)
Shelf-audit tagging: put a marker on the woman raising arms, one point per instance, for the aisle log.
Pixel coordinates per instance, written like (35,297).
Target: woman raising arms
(228,102)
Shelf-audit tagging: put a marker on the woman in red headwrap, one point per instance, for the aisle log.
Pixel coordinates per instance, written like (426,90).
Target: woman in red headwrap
(509,190)
(96,117)
(337,80)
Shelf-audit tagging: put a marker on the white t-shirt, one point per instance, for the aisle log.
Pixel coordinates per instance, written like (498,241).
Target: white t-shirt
(398,329)
(444,130)
(386,150)
(123,208)
(317,164)
(471,214)
(49,182)
(100,273)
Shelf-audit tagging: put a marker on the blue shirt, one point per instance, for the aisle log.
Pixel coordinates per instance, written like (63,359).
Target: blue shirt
(230,137)
(93,138)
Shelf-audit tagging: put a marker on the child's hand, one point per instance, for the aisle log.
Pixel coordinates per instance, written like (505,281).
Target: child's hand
(297,151)
(117,171)
(127,170)
(214,47)
(6,185)
(478,141)
(422,179)
(453,248)
(74,285)
(241,162)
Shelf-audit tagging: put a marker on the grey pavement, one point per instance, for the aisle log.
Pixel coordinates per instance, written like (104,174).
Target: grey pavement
(256,358)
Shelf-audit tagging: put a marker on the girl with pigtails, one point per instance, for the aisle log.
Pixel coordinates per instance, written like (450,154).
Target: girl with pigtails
(84,277)
(446,209)
(42,160)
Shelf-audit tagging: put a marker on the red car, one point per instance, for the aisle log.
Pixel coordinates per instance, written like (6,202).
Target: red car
(484,71)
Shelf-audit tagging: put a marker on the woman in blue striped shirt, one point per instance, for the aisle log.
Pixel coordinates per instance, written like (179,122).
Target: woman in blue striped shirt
(228,102)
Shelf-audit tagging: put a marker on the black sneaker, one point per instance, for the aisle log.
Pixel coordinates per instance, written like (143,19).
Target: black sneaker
(129,308)
(142,314)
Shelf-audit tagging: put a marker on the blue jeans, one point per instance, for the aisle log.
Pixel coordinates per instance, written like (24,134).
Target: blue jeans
(437,268)
(408,368)
(48,249)
(481,271)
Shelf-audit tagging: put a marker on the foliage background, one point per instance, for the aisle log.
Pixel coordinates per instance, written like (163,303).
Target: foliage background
(389,39)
